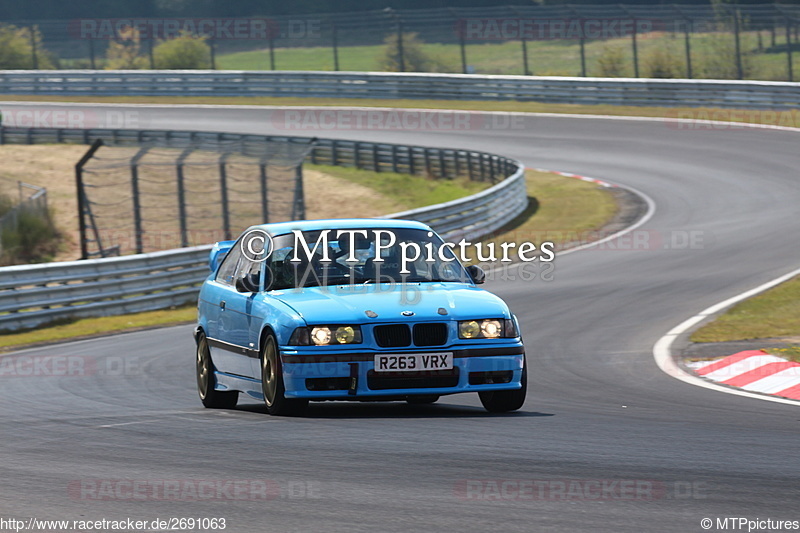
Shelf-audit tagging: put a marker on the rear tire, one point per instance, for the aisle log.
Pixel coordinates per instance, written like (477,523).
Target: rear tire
(211,398)
(422,400)
(272,383)
(504,401)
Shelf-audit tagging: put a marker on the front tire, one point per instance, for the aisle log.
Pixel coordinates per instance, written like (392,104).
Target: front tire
(211,398)
(272,383)
(504,401)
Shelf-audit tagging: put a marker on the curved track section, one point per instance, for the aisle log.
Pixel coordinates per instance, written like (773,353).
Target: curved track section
(598,406)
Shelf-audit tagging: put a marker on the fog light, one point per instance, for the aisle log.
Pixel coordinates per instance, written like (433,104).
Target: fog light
(345,335)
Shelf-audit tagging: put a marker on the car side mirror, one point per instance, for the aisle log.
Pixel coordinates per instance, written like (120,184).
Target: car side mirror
(247,283)
(477,274)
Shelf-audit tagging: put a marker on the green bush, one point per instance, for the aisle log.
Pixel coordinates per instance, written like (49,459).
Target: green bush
(662,61)
(611,62)
(34,239)
(16,51)
(183,52)
(124,52)
(414,57)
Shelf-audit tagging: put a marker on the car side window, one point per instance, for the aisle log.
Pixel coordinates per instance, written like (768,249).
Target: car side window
(230,266)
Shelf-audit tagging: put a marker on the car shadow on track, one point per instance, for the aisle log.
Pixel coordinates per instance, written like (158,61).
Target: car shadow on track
(344,410)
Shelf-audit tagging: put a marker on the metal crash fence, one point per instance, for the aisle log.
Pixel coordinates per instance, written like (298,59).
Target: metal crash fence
(33,295)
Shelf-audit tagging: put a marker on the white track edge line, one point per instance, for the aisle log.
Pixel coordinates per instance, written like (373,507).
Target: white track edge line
(662,350)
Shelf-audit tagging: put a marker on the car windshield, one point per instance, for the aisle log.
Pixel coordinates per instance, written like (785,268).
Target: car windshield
(361,256)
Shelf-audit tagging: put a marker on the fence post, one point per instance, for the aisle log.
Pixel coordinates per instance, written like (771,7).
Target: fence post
(463,46)
(739,68)
(789,60)
(400,45)
(34,56)
(151,45)
(335,48)
(91,54)
(299,209)
(182,195)
(212,50)
(82,204)
(526,71)
(271,52)
(688,26)
(223,186)
(137,207)
(262,168)
(635,51)
(686,37)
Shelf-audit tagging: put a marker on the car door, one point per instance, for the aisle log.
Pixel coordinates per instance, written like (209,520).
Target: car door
(230,344)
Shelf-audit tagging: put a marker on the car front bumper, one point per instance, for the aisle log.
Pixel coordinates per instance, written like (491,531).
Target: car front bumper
(335,375)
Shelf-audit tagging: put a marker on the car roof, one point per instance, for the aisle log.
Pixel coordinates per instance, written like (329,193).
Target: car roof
(280,228)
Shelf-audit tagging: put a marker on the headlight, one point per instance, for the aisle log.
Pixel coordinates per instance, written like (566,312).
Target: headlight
(490,328)
(326,335)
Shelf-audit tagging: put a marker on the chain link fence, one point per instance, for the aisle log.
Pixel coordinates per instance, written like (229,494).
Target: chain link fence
(164,195)
(727,41)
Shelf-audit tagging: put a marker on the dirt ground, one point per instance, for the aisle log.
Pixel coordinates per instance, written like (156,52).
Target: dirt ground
(53,167)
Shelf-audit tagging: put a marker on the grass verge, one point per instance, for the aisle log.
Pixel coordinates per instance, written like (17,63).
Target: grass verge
(409,190)
(558,206)
(772,314)
(90,327)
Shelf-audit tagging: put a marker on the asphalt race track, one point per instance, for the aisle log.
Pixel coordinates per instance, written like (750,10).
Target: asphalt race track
(598,407)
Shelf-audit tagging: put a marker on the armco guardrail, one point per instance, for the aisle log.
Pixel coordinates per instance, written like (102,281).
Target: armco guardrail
(627,91)
(37,294)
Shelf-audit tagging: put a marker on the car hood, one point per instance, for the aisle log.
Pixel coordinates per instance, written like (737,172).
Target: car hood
(349,304)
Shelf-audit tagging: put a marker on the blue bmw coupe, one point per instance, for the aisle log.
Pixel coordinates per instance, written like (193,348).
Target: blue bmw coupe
(354,310)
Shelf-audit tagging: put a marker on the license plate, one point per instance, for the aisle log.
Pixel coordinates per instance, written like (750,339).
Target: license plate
(413,362)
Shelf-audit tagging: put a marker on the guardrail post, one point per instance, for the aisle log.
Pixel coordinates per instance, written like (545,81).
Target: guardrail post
(223,186)
(376,162)
(394,158)
(411,166)
(442,165)
(334,152)
(357,154)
